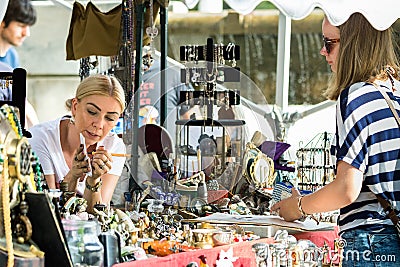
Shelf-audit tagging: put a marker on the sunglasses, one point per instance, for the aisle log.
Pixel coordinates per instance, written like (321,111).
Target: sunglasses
(328,43)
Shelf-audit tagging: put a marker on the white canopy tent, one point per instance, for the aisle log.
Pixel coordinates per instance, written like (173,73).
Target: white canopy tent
(380,14)
(3,8)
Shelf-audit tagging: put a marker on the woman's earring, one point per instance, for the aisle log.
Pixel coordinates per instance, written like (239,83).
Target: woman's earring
(72,120)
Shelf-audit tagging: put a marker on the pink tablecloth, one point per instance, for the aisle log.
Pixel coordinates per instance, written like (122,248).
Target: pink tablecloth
(318,238)
(242,250)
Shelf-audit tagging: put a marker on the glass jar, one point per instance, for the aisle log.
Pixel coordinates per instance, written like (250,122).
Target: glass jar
(84,245)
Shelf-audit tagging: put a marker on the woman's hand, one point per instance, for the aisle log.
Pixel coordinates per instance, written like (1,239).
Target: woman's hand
(95,192)
(101,162)
(80,165)
(288,208)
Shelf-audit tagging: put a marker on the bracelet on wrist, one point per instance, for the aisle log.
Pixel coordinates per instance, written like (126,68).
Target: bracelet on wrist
(303,214)
(94,188)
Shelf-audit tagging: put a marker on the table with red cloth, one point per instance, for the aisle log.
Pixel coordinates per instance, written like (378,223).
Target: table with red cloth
(319,237)
(242,250)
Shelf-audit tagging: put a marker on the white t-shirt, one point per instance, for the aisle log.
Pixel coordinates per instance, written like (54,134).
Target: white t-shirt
(46,144)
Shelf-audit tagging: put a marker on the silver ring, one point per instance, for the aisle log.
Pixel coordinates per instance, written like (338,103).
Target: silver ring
(102,166)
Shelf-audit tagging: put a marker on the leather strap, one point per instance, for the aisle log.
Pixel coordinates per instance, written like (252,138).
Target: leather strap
(390,104)
(387,207)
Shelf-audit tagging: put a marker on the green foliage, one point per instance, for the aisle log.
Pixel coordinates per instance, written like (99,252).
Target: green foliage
(265,5)
(262,5)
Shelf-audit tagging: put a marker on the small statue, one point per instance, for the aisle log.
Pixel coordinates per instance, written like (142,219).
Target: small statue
(203,261)
(226,258)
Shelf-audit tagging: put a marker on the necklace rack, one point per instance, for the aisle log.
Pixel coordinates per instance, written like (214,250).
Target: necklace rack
(205,66)
(315,166)
(20,172)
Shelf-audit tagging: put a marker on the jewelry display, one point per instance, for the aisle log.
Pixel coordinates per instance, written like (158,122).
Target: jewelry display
(215,56)
(230,51)
(220,54)
(204,67)
(88,65)
(151,31)
(315,166)
(125,59)
(187,75)
(7,83)
(19,173)
(84,68)
(147,57)
(211,76)
(196,76)
(196,54)
(226,100)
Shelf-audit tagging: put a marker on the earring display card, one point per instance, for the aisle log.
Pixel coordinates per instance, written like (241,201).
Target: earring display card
(47,230)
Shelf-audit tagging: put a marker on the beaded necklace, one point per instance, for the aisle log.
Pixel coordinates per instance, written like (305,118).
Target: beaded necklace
(12,118)
(26,163)
(5,190)
(36,173)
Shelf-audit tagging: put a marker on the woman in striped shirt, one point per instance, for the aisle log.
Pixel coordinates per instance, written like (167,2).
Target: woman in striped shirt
(367,143)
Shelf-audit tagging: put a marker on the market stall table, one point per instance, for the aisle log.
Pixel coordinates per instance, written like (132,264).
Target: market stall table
(241,250)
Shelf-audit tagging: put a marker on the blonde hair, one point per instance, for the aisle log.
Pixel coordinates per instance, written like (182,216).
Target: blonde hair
(99,84)
(364,55)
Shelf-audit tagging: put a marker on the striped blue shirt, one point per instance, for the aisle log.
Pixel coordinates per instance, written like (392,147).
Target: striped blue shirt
(368,138)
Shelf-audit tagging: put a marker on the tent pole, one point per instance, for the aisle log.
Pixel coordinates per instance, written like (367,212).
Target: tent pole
(163,62)
(139,11)
(283,61)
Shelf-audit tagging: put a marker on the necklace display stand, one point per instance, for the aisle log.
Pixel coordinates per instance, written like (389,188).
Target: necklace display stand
(205,143)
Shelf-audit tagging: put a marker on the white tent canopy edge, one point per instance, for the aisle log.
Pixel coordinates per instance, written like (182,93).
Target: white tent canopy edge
(380,14)
(3,8)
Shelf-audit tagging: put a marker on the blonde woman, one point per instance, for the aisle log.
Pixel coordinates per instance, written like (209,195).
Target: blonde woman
(98,103)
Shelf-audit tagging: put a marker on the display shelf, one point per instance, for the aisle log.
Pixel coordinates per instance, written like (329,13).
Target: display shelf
(315,165)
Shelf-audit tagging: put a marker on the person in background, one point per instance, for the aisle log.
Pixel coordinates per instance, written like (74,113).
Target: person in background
(98,103)
(14,28)
(367,143)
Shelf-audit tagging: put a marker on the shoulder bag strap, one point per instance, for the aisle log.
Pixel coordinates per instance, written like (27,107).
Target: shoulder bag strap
(390,104)
(387,207)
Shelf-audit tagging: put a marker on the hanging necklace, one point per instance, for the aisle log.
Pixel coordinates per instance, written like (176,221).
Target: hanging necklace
(151,31)
(12,117)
